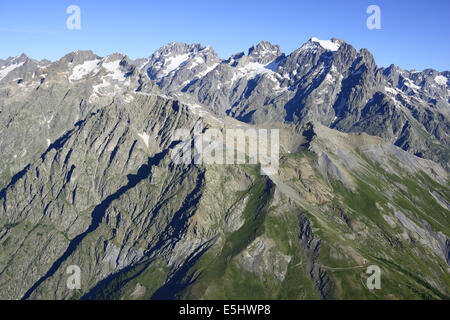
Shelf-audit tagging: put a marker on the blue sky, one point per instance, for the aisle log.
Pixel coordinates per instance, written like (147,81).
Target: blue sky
(414,34)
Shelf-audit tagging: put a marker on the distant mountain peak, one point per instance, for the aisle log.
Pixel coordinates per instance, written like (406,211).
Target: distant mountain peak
(78,56)
(178,48)
(264,52)
(330,45)
(20,58)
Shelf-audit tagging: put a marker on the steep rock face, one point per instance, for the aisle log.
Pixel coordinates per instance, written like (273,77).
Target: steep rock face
(88,166)
(176,65)
(52,98)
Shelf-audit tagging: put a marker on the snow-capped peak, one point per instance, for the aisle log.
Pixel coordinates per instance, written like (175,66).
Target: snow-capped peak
(326,44)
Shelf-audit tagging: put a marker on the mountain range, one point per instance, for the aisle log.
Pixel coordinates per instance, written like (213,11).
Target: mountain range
(86,176)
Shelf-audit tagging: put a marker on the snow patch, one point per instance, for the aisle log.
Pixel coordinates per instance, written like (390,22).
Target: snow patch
(102,89)
(114,68)
(390,90)
(84,69)
(253,69)
(326,44)
(196,61)
(411,85)
(208,70)
(145,137)
(6,70)
(144,64)
(329,78)
(440,80)
(174,63)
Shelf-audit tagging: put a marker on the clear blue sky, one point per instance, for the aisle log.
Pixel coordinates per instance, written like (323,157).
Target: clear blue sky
(414,35)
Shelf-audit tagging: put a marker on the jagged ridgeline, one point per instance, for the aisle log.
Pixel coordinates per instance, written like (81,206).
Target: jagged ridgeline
(87,177)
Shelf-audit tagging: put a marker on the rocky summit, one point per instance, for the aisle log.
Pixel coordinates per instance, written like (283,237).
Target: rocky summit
(88,178)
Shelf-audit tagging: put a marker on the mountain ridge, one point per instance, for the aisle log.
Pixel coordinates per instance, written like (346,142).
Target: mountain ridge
(203,46)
